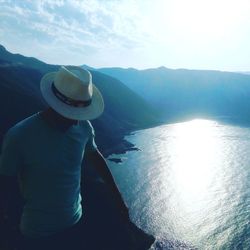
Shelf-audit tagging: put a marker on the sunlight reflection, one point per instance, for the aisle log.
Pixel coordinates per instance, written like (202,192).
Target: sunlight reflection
(195,148)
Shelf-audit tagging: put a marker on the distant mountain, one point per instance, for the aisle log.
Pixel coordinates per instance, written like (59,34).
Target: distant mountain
(20,60)
(189,93)
(20,96)
(87,67)
(244,72)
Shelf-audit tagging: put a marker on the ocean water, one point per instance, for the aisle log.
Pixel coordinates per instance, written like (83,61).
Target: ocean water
(189,185)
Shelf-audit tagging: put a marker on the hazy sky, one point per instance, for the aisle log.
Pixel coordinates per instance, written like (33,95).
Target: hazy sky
(194,34)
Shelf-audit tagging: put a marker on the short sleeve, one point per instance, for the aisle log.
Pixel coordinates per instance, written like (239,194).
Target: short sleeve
(91,145)
(10,158)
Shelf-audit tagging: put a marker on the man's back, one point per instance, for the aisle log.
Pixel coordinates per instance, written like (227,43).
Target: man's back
(48,162)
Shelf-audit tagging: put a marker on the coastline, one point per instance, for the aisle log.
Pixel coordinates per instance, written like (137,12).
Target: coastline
(117,144)
(122,146)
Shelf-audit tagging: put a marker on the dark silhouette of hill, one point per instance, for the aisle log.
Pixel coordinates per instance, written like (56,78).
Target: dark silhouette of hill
(19,94)
(190,93)
(30,62)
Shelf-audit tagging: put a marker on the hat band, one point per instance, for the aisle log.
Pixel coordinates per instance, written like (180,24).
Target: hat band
(68,100)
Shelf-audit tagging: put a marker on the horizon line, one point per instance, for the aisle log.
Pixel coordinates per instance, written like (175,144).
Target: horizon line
(133,68)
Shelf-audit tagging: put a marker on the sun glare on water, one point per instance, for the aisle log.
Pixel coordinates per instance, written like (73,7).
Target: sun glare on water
(195,142)
(196,152)
(189,182)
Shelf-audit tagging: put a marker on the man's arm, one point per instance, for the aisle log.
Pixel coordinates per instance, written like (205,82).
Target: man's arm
(97,160)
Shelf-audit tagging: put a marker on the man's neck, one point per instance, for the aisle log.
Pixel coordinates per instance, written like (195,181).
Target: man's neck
(58,120)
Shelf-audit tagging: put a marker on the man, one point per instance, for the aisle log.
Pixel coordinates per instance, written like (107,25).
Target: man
(45,151)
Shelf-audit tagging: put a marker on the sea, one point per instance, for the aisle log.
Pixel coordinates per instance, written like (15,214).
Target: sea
(189,184)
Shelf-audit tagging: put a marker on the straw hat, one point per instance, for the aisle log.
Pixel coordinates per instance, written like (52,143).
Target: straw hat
(71,93)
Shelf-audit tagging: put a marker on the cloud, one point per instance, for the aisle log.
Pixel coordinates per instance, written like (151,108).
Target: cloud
(138,33)
(86,26)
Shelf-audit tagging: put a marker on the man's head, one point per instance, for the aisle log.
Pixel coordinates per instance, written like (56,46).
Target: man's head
(71,93)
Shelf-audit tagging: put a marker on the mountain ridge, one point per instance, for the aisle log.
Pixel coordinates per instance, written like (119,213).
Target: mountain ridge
(190,93)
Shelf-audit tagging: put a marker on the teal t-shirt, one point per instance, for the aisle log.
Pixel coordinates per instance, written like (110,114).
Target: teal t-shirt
(48,164)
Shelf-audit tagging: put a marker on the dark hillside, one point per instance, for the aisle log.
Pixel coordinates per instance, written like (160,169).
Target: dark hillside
(21,60)
(19,95)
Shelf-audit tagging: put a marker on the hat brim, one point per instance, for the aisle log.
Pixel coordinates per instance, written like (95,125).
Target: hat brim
(90,112)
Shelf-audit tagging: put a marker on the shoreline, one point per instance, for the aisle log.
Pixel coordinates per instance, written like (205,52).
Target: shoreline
(122,146)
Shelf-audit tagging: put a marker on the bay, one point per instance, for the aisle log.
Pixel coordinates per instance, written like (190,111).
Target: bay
(189,184)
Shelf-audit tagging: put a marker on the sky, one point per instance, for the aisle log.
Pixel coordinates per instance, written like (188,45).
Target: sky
(193,34)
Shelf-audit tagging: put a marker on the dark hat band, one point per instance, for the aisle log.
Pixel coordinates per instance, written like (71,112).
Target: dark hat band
(69,101)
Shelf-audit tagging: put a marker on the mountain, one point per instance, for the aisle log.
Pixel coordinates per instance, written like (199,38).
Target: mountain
(20,79)
(244,72)
(20,60)
(19,96)
(190,93)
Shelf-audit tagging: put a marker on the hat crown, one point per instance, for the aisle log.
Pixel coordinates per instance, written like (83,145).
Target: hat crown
(74,83)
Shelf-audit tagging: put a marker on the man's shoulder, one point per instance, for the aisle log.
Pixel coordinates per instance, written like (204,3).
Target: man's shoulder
(87,124)
(23,126)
